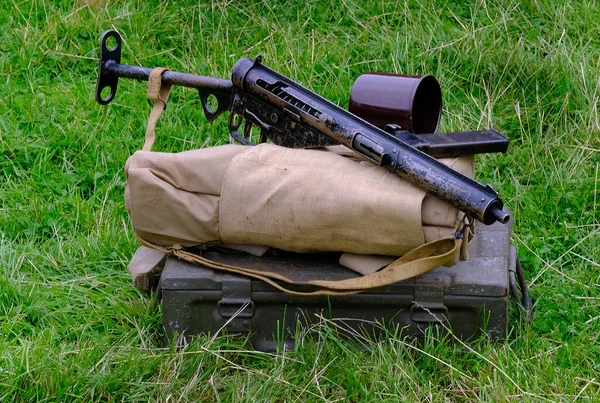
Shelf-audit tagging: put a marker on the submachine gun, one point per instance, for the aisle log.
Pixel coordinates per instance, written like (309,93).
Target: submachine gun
(290,115)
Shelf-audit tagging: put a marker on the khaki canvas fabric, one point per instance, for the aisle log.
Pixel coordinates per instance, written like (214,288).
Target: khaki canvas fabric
(435,212)
(309,200)
(173,198)
(298,200)
(305,201)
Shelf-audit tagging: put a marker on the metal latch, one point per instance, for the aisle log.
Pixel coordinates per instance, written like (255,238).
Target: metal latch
(428,305)
(236,305)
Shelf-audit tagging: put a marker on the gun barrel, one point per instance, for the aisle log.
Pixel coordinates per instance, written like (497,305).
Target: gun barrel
(309,109)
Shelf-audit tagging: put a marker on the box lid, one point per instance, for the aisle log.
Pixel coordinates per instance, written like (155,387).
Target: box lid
(485,273)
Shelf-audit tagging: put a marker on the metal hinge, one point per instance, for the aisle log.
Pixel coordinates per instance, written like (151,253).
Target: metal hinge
(236,305)
(428,305)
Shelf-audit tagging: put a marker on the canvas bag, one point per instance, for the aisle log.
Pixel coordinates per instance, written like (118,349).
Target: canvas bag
(292,199)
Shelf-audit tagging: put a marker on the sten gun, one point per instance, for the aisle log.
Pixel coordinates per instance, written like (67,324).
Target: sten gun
(290,115)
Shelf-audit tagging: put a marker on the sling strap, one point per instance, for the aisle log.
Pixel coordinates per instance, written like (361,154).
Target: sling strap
(416,262)
(158,94)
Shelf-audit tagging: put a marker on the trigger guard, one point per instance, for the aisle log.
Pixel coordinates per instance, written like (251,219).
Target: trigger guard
(233,130)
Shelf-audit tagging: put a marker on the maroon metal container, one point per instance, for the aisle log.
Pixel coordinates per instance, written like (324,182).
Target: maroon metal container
(412,102)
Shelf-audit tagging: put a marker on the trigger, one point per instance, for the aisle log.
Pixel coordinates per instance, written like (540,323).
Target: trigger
(264,126)
(248,129)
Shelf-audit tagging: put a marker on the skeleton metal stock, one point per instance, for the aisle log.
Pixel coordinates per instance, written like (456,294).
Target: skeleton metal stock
(293,116)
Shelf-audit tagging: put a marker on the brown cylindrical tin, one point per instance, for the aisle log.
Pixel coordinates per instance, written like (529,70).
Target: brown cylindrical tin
(412,102)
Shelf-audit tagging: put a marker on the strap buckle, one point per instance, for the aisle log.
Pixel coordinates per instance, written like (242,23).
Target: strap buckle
(468,223)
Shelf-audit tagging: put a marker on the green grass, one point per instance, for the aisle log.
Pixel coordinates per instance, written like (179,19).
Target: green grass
(72,328)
